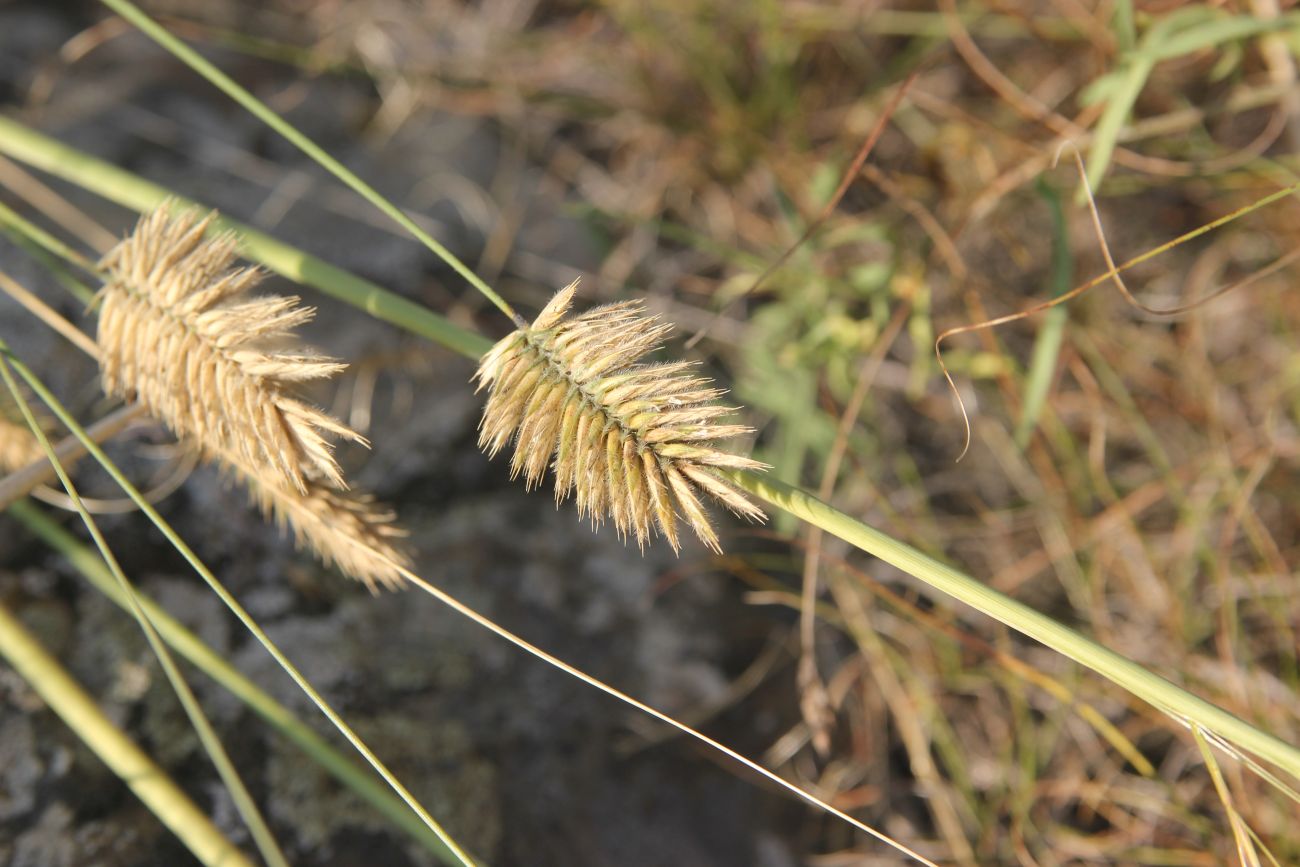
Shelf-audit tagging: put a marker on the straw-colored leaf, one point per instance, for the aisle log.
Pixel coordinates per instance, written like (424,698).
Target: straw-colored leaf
(633,441)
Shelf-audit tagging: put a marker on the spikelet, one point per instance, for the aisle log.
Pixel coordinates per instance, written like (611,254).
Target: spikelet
(343,528)
(18,445)
(633,441)
(176,333)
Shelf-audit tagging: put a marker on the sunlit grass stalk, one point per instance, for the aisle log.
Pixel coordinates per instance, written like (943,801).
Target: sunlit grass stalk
(1173,700)
(150,783)
(213,664)
(231,603)
(130,191)
(264,113)
(211,743)
(1051,333)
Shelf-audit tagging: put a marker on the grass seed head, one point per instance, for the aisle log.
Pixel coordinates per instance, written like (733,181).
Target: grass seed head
(178,332)
(632,441)
(349,530)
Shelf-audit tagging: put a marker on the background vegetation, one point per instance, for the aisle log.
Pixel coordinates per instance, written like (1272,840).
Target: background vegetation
(1132,475)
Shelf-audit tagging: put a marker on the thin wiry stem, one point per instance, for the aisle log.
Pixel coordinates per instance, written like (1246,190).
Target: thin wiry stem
(66,418)
(25,478)
(633,441)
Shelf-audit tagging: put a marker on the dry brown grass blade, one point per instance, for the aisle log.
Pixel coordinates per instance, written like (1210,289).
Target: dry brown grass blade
(177,333)
(1113,272)
(633,441)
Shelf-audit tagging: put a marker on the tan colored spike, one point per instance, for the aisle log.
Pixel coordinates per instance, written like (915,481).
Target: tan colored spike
(633,441)
(348,530)
(177,333)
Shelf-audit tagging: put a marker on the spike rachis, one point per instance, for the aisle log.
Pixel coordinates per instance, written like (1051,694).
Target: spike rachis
(633,441)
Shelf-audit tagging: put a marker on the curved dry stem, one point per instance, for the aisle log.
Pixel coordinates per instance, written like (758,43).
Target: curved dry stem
(1113,272)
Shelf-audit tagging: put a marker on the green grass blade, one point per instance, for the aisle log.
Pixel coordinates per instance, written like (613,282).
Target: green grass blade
(262,112)
(1047,347)
(147,781)
(194,649)
(244,804)
(1124,25)
(1213,33)
(1119,103)
(1150,687)
(45,246)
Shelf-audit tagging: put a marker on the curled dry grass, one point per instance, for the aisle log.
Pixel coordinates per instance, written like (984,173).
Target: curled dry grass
(178,332)
(632,441)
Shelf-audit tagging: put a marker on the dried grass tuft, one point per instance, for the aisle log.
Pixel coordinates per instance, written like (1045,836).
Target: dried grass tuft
(177,333)
(633,441)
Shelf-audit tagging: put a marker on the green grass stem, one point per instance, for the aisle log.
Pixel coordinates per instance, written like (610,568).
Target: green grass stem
(194,649)
(150,783)
(1150,687)
(1047,346)
(174,538)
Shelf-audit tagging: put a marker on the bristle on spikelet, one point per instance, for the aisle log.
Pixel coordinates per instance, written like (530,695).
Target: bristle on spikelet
(177,332)
(632,441)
